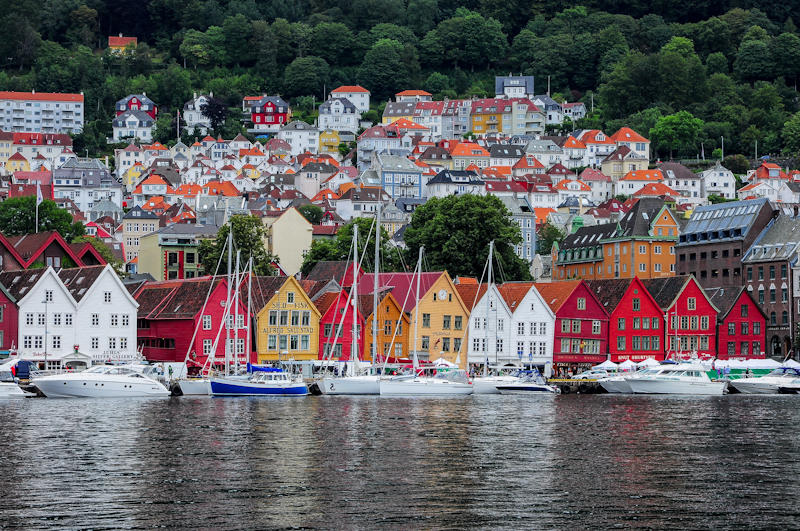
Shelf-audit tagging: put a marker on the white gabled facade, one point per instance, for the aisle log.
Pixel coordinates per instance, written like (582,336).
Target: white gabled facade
(83,315)
(521,334)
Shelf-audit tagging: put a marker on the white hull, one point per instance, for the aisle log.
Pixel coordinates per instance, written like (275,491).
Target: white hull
(526,389)
(487,385)
(11,390)
(676,387)
(424,387)
(195,386)
(616,385)
(761,386)
(351,385)
(55,387)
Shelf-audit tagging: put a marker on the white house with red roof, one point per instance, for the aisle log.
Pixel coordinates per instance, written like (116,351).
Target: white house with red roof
(413,96)
(635,180)
(600,183)
(720,181)
(574,153)
(598,145)
(633,140)
(573,188)
(356,94)
(527,165)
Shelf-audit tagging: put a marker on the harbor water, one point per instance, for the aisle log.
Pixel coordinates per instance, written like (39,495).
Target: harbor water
(501,462)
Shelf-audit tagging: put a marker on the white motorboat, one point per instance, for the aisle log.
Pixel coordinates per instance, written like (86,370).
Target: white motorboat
(768,384)
(528,382)
(617,383)
(367,384)
(103,381)
(443,383)
(675,379)
(195,386)
(8,383)
(487,385)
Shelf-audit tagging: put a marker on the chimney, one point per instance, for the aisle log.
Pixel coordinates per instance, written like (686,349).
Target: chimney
(120,34)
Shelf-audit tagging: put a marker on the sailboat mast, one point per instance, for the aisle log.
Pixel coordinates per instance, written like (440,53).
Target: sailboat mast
(488,308)
(375,285)
(416,307)
(354,301)
(249,292)
(228,302)
(236,282)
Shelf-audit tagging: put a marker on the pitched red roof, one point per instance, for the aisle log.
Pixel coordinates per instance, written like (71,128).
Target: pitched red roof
(122,41)
(556,293)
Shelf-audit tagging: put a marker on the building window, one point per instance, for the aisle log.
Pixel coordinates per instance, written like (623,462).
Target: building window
(581,303)
(426,342)
(106,296)
(446,322)
(290,297)
(273,318)
(576,326)
(426,320)
(620,342)
(732,329)
(772,272)
(743,310)
(783,270)
(785,317)
(114,319)
(756,328)
(744,328)
(126,319)
(636,304)
(457,322)
(207,346)
(620,323)
(731,348)
(692,303)
(306,318)
(56,341)
(596,327)
(206,322)
(48,295)
(772,295)
(272,342)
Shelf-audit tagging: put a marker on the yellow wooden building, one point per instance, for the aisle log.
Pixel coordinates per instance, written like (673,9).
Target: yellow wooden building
(393,326)
(443,320)
(287,322)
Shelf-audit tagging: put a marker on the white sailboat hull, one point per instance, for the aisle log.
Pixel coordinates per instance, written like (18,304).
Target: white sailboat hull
(350,385)
(195,386)
(676,387)
(424,387)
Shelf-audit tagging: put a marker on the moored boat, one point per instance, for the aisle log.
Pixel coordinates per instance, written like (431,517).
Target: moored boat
(102,381)
(263,382)
(786,377)
(528,382)
(443,383)
(675,379)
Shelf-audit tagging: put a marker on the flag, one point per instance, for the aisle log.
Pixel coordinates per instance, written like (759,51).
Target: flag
(38,194)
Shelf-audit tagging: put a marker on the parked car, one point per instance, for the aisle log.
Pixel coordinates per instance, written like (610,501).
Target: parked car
(592,374)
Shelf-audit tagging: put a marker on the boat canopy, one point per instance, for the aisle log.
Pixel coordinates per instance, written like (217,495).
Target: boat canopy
(261,368)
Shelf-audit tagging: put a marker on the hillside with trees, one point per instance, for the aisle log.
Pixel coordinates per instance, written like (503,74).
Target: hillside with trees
(686,74)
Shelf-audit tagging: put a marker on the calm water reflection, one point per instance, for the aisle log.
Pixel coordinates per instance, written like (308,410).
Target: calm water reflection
(335,462)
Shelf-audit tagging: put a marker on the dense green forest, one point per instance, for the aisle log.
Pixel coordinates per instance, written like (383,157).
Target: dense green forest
(684,72)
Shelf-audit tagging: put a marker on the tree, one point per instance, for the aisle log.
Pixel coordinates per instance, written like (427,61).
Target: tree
(334,42)
(677,132)
(216,111)
(249,235)
(791,134)
(382,70)
(18,217)
(546,236)
(738,164)
(312,213)
(104,251)
(456,232)
(306,75)
(754,61)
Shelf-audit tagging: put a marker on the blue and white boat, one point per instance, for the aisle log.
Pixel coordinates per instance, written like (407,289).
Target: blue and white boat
(527,382)
(264,381)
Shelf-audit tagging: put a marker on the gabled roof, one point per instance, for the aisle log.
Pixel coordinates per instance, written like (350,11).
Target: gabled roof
(644,175)
(667,289)
(469,149)
(725,299)
(403,285)
(121,41)
(78,280)
(779,240)
(591,174)
(555,294)
(573,143)
(626,134)
(656,190)
(609,292)
(351,88)
(723,220)
(514,292)
(175,299)
(564,185)
(413,93)
(471,294)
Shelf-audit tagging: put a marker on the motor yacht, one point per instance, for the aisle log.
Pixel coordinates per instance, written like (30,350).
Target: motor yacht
(263,382)
(617,383)
(444,382)
(8,383)
(487,385)
(102,381)
(768,384)
(527,382)
(675,379)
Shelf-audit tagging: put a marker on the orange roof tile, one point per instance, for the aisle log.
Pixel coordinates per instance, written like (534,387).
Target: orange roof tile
(514,292)
(405,123)
(471,293)
(590,137)
(225,188)
(644,175)
(528,161)
(121,41)
(563,185)
(574,143)
(40,96)
(541,214)
(656,189)
(469,149)
(626,134)
(556,293)
(350,88)
(413,93)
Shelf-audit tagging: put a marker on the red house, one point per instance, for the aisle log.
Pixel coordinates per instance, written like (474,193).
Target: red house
(171,313)
(45,249)
(336,326)
(741,332)
(9,317)
(267,113)
(690,316)
(581,329)
(636,326)
(137,102)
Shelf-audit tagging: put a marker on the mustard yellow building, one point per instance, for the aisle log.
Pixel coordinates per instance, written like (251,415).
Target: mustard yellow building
(131,176)
(393,326)
(287,323)
(329,141)
(443,319)
(17,162)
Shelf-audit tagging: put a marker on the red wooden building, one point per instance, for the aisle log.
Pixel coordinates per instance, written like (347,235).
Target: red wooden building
(741,332)
(336,326)
(267,113)
(137,102)
(690,317)
(636,324)
(171,313)
(581,329)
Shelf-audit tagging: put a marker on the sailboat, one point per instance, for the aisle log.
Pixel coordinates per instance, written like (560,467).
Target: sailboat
(358,384)
(445,381)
